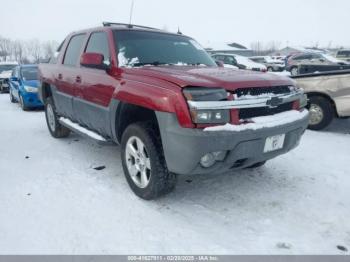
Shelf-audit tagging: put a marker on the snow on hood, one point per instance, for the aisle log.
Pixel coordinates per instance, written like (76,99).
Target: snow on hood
(6,74)
(248,63)
(210,76)
(333,59)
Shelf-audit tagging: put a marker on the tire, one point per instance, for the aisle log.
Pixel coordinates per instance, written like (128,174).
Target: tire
(321,112)
(259,164)
(12,99)
(56,129)
(294,71)
(159,181)
(22,104)
(269,69)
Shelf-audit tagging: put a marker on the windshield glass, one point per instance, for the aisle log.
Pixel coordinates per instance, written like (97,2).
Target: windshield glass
(137,48)
(29,73)
(4,68)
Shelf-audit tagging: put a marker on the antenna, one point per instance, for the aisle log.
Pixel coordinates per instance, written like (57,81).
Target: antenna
(178,31)
(131,10)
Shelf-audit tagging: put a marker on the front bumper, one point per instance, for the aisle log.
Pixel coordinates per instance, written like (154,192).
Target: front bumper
(4,85)
(184,147)
(32,100)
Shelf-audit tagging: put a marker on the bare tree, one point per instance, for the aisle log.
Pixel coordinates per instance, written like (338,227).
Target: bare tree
(5,48)
(34,50)
(18,50)
(49,48)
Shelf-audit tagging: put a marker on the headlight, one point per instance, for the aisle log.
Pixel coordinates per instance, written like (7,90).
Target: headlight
(210,116)
(31,89)
(207,94)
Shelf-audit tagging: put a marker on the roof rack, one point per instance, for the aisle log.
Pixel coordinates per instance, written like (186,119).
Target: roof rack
(128,25)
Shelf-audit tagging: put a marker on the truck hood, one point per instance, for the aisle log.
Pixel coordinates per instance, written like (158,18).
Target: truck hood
(229,79)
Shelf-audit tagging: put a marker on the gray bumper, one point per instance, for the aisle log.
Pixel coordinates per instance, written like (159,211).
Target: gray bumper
(184,147)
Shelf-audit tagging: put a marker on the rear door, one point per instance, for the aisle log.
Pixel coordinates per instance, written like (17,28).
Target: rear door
(97,87)
(66,77)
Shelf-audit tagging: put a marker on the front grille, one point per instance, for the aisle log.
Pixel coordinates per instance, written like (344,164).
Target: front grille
(246,113)
(255,91)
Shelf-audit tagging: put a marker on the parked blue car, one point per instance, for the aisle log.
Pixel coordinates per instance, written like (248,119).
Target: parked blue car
(24,86)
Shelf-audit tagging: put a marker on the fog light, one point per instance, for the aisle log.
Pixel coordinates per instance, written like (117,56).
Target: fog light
(208,160)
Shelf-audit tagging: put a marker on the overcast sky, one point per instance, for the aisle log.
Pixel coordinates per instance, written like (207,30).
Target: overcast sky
(297,22)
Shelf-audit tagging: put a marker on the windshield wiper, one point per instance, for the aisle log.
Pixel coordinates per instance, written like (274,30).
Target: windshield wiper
(155,63)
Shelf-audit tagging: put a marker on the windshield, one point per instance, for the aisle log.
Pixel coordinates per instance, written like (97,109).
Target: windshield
(137,48)
(4,68)
(29,73)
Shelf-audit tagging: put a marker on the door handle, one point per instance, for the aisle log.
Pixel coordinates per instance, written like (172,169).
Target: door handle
(60,76)
(78,79)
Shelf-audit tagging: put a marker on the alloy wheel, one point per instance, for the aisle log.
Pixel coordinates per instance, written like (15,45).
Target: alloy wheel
(138,162)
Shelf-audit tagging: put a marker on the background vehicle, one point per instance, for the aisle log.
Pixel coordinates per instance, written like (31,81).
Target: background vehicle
(311,58)
(24,86)
(172,109)
(239,61)
(329,96)
(5,73)
(343,55)
(272,65)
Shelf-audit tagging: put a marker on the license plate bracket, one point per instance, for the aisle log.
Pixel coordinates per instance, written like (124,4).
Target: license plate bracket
(273,143)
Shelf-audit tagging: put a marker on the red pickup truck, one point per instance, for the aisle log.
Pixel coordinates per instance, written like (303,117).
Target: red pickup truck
(168,104)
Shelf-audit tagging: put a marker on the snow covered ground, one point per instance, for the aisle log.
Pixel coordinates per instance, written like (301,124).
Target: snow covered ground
(53,201)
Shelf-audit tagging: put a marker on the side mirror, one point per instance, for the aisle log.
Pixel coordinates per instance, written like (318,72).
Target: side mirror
(93,60)
(14,78)
(219,63)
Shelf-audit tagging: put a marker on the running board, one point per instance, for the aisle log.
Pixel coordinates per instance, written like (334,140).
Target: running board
(83,131)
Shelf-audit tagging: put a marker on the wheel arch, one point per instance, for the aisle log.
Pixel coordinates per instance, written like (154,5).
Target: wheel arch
(126,114)
(327,97)
(45,91)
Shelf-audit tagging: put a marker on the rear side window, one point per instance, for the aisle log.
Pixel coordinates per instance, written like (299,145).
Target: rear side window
(344,53)
(73,50)
(98,43)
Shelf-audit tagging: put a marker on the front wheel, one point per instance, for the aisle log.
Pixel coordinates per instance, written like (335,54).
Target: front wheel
(12,99)
(144,163)
(56,129)
(321,112)
(22,103)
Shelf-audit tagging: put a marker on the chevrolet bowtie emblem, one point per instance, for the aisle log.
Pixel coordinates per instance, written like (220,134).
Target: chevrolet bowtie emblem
(274,102)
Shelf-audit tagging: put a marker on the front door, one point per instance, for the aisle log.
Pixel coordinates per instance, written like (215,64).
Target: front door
(96,87)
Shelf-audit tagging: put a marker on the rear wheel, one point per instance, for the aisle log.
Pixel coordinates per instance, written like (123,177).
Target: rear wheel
(270,69)
(56,129)
(321,112)
(144,163)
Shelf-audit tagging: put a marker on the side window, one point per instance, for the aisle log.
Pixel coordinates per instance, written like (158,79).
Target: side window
(53,58)
(73,50)
(98,43)
(230,60)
